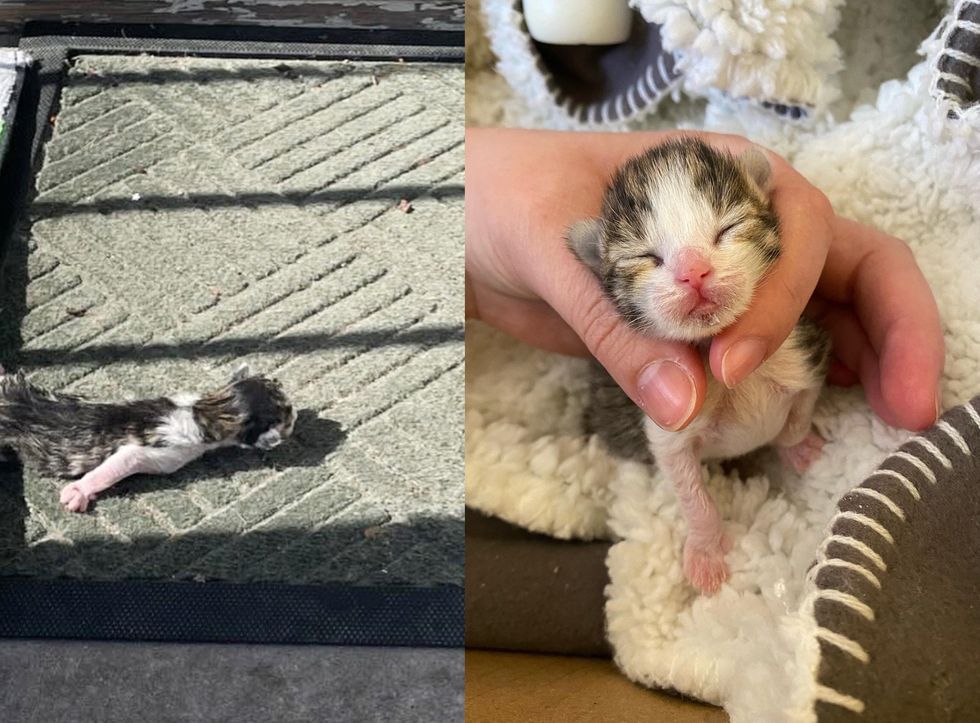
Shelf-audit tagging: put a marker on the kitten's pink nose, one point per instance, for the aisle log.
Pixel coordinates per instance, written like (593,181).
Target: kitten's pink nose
(692,269)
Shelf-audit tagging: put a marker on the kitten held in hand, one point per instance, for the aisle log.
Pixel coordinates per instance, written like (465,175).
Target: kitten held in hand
(686,235)
(68,436)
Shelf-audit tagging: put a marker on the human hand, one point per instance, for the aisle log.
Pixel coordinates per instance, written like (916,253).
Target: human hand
(526,188)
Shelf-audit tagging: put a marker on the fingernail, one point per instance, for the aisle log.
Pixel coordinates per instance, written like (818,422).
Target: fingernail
(667,394)
(741,359)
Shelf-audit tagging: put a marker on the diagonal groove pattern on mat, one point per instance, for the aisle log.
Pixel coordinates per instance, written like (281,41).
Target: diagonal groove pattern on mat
(195,213)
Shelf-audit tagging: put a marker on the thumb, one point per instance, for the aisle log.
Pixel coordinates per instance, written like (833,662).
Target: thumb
(666,379)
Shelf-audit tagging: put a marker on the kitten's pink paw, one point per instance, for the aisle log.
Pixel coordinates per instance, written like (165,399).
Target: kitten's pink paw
(74,498)
(801,456)
(705,566)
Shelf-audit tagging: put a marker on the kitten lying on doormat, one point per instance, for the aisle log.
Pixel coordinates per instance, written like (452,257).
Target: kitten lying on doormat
(102,443)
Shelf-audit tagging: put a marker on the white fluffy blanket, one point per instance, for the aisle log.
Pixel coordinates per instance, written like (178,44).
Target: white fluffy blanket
(777,51)
(894,162)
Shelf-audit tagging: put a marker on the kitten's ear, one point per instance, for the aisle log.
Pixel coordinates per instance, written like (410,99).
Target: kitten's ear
(585,240)
(241,373)
(754,161)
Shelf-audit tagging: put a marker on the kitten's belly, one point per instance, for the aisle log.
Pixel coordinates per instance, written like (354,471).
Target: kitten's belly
(732,422)
(743,419)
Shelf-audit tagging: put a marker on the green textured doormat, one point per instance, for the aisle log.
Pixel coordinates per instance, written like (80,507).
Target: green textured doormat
(304,216)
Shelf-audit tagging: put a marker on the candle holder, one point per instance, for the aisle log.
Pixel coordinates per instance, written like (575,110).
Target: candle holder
(578,22)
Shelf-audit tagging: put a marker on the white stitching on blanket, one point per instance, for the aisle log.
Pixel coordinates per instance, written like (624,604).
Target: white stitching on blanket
(867,522)
(650,81)
(918,464)
(962,57)
(845,564)
(852,647)
(848,601)
(641,87)
(973,413)
(824,693)
(968,25)
(861,547)
(951,78)
(882,498)
(842,642)
(901,478)
(957,438)
(631,100)
(829,695)
(951,103)
(662,69)
(934,451)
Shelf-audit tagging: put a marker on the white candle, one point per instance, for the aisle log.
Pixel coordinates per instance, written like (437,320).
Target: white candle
(578,22)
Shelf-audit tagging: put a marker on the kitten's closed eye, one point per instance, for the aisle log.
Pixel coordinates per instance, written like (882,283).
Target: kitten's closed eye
(724,232)
(657,260)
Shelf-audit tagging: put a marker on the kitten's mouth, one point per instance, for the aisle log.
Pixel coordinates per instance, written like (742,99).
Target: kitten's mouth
(703,308)
(697,305)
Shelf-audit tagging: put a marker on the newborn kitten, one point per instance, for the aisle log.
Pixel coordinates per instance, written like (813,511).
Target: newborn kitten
(67,436)
(685,236)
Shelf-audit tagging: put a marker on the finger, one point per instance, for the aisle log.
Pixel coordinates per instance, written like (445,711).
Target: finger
(781,297)
(665,379)
(855,352)
(532,322)
(840,376)
(877,274)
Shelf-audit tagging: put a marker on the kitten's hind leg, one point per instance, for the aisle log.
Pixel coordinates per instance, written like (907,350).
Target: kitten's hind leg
(706,543)
(127,460)
(798,445)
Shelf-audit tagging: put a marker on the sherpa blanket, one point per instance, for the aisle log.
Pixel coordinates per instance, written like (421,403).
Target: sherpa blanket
(899,154)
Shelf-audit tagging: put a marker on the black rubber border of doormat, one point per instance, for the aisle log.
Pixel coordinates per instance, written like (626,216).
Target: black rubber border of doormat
(171,611)
(447,39)
(222,612)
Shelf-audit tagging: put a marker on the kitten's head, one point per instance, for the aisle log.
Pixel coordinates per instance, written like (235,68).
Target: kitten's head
(685,236)
(267,417)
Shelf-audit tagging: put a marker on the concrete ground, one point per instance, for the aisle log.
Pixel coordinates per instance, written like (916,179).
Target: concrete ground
(67,682)
(305,217)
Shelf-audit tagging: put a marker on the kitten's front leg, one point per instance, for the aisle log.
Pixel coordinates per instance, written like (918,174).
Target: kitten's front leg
(124,462)
(128,460)
(706,543)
